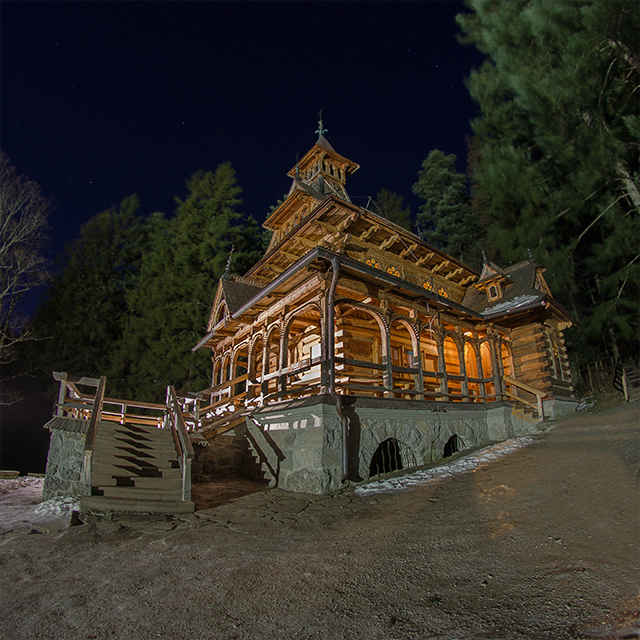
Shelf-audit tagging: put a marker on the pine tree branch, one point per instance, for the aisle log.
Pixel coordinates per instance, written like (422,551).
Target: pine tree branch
(596,220)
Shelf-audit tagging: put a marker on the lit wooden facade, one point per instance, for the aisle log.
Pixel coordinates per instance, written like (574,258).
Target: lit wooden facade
(346,303)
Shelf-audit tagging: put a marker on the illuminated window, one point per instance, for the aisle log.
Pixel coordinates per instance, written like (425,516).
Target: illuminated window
(494,292)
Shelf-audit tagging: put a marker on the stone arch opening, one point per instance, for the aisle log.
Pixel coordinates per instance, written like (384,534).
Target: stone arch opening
(391,455)
(386,458)
(453,445)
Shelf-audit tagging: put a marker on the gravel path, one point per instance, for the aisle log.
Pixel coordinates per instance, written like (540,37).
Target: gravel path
(540,543)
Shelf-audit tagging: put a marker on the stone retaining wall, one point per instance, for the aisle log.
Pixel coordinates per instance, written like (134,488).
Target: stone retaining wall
(63,475)
(300,442)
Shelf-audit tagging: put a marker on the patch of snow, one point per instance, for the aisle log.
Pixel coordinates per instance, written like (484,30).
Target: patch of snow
(21,506)
(465,464)
(57,505)
(518,301)
(586,403)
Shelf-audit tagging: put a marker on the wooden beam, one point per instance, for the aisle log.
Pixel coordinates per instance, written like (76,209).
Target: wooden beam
(368,232)
(348,221)
(453,274)
(389,241)
(305,242)
(291,256)
(466,280)
(424,258)
(410,249)
(327,228)
(440,266)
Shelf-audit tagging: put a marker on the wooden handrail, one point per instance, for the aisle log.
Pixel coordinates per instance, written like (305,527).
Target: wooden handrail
(224,384)
(62,376)
(183,442)
(90,439)
(525,387)
(540,395)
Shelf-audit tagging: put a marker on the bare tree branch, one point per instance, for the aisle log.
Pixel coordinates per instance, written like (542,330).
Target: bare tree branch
(23,235)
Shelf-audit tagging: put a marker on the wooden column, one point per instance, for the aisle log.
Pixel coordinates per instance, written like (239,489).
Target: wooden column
(442,369)
(417,363)
(496,366)
(387,375)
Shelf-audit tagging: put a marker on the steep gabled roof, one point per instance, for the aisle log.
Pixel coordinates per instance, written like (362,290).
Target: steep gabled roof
(237,292)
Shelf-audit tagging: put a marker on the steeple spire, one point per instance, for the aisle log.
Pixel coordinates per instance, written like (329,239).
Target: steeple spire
(320,130)
(226,273)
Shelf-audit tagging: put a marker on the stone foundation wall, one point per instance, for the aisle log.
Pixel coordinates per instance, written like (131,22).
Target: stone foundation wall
(227,457)
(299,443)
(63,475)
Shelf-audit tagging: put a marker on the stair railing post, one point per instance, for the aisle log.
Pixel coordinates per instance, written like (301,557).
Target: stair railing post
(185,448)
(540,407)
(90,438)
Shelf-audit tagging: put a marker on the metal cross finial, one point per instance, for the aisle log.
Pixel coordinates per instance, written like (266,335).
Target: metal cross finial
(320,130)
(226,270)
(530,255)
(484,257)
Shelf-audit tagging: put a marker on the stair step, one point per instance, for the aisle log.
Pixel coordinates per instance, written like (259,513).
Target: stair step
(101,504)
(107,473)
(120,448)
(135,493)
(131,461)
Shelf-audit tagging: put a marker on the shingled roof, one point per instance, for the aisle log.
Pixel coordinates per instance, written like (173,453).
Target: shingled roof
(237,292)
(518,293)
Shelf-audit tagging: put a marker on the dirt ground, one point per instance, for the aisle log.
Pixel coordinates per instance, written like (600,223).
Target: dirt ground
(542,543)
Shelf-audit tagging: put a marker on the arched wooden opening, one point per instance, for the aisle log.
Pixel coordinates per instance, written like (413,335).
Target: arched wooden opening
(506,358)
(473,375)
(402,345)
(430,358)
(272,363)
(360,350)
(219,314)
(452,367)
(217,369)
(254,386)
(487,370)
(225,370)
(304,351)
(240,368)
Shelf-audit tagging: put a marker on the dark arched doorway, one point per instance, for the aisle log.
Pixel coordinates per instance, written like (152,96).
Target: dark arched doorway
(453,445)
(386,458)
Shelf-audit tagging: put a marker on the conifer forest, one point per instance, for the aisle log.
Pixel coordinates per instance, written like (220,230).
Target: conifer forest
(552,172)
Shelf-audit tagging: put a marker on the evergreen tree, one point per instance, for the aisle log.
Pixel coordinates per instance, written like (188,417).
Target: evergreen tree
(171,305)
(390,206)
(444,218)
(81,321)
(557,166)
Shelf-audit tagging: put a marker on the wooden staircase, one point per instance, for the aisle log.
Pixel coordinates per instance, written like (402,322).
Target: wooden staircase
(135,469)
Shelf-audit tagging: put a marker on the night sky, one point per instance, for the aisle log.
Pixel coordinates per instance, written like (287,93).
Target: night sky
(104,99)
